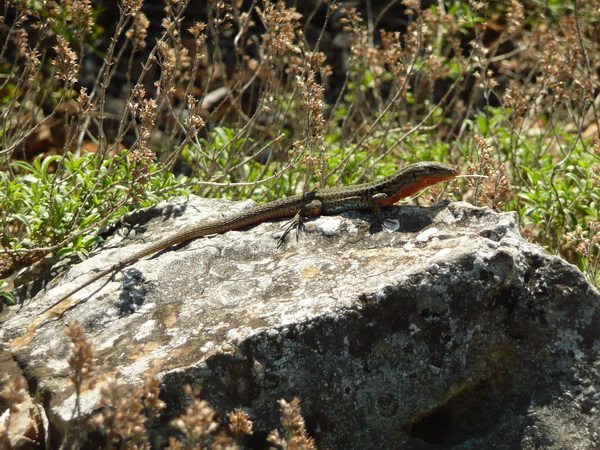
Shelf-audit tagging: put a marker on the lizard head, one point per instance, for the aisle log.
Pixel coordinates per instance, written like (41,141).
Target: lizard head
(416,177)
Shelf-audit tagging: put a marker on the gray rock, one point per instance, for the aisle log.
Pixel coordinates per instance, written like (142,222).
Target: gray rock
(452,332)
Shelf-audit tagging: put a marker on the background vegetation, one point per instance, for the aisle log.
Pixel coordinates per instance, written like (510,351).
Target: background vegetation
(107,106)
(256,99)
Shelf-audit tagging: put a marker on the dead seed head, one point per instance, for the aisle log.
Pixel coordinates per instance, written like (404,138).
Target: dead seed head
(12,393)
(412,6)
(514,17)
(193,124)
(312,93)
(22,42)
(65,62)
(515,100)
(293,422)
(173,62)
(122,419)
(131,7)
(393,56)
(150,397)
(198,423)
(198,32)
(83,102)
(282,24)
(476,6)
(360,45)
(32,65)
(239,422)
(80,14)
(81,362)
(495,189)
(139,31)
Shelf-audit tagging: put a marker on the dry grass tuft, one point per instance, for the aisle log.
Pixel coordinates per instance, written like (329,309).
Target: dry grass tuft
(296,437)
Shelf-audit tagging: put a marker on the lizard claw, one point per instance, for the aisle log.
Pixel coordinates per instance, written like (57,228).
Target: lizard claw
(288,226)
(390,225)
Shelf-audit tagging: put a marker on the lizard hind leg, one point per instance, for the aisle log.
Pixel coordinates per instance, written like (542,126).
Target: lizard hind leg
(312,208)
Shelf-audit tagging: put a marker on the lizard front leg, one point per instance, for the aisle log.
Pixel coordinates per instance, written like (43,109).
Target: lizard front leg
(387,223)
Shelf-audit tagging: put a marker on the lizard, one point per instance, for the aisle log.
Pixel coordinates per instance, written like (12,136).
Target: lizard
(326,201)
